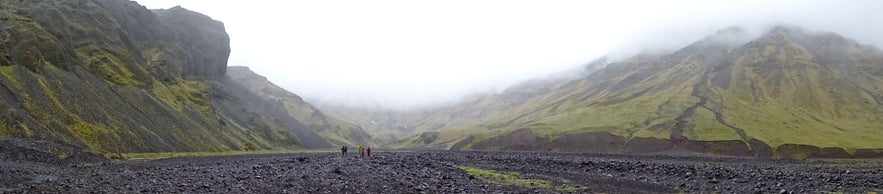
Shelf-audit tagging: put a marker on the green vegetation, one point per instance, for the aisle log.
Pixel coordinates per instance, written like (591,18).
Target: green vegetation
(88,133)
(109,67)
(114,77)
(515,179)
(711,130)
(160,155)
(777,89)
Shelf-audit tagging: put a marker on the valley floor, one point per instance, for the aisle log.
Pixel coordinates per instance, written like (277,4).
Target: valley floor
(446,172)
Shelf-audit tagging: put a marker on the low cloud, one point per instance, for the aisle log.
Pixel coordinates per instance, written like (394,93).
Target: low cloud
(401,54)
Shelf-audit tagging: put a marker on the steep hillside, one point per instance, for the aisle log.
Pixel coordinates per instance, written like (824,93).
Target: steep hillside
(787,93)
(289,105)
(113,76)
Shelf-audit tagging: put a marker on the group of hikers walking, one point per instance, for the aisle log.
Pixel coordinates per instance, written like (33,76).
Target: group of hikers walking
(362,151)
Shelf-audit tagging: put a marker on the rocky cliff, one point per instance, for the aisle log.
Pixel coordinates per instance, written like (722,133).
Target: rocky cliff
(113,76)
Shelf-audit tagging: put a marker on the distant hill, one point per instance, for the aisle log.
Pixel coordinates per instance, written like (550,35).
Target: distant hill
(112,76)
(787,93)
(279,103)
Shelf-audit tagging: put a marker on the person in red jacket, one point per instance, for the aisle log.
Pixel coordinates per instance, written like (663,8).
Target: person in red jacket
(369,151)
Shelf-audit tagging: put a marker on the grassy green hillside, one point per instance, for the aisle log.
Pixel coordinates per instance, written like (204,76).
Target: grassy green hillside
(784,89)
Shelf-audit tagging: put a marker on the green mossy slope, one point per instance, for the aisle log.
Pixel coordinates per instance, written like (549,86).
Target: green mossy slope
(113,76)
(786,87)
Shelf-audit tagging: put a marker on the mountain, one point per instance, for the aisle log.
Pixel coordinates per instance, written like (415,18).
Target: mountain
(786,93)
(389,126)
(284,104)
(112,76)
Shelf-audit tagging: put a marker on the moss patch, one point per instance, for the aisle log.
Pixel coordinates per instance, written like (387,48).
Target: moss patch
(515,179)
(88,133)
(159,155)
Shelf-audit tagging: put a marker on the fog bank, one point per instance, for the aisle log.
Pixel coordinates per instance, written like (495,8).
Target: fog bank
(402,54)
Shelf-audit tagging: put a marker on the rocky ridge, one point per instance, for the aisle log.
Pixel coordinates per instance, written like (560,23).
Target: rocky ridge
(112,76)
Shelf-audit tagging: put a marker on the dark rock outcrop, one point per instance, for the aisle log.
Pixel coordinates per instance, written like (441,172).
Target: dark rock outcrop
(206,51)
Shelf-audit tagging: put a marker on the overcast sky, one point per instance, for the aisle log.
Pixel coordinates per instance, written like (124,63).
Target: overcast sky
(411,53)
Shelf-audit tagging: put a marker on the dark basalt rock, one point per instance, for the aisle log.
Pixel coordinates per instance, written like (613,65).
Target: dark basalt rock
(49,153)
(94,34)
(588,142)
(205,41)
(438,172)
(525,140)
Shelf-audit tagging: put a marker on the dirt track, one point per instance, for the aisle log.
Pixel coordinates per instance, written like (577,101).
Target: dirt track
(438,172)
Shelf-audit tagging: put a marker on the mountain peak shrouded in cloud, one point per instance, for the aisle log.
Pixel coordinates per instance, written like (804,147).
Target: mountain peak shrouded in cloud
(786,92)
(732,35)
(403,54)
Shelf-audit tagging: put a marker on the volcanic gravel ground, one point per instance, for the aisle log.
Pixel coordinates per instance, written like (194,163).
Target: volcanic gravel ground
(438,172)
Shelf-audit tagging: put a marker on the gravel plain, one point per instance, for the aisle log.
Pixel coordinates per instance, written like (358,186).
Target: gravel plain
(440,172)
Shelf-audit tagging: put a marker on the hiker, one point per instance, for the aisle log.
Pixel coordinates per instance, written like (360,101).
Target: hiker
(361,151)
(343,150)
(369,151)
